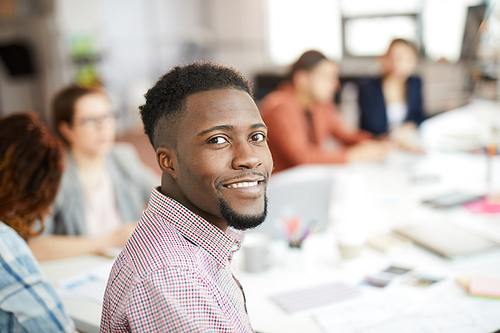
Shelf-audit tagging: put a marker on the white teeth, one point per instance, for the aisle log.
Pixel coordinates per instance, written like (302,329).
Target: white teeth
(244,184)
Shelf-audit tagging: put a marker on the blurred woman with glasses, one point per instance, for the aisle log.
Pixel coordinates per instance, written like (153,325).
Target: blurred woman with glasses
(31,166)
(104,188)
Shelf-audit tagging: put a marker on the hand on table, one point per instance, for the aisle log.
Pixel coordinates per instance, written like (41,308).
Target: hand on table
(406,137)
(369,150)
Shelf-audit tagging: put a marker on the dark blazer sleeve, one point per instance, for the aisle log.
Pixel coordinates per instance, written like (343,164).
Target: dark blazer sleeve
(372,117)
(415,101)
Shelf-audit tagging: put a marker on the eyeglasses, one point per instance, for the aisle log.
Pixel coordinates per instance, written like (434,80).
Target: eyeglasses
(94,122)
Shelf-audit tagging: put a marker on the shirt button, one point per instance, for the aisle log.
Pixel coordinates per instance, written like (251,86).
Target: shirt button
(234,247)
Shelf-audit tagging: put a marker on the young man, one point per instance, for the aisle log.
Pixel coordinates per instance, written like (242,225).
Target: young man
(174,274)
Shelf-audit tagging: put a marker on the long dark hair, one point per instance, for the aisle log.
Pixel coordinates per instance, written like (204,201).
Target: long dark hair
(307,61)
(31,166)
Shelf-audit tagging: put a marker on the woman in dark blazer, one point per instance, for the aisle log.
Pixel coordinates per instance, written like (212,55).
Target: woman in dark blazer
(394,100)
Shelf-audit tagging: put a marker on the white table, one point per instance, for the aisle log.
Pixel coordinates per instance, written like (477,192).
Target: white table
(85,313)
(390,199)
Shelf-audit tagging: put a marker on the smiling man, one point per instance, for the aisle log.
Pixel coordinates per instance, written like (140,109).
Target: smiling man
(174,274)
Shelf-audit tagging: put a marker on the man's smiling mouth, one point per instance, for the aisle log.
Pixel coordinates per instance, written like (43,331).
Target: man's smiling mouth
(244,184)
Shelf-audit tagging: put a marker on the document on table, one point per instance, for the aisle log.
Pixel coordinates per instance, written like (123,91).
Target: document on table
(89,285)
(447,309)
(308,299)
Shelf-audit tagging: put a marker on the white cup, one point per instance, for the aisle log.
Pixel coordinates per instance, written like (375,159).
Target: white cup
(256,252)
(351,243)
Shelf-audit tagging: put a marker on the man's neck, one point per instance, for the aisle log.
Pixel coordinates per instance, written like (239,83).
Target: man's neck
(170,188)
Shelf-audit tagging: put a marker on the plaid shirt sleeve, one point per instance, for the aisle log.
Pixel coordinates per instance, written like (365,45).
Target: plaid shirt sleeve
(174,300)
(28,303)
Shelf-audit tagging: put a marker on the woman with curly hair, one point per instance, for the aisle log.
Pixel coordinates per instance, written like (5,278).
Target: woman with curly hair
(31,165)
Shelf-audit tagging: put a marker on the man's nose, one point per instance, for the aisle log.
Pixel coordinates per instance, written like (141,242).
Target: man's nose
(245,156)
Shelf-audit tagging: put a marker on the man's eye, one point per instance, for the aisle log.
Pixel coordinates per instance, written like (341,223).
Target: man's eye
(259,137)
(217,140)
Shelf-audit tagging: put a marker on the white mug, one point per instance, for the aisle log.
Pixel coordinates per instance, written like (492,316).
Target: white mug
(256,252)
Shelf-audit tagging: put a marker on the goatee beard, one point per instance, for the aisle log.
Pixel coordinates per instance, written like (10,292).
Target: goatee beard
(240,221)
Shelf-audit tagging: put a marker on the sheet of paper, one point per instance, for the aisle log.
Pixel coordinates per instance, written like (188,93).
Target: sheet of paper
(358,314)
(307,299)
(446,308)
(89,285)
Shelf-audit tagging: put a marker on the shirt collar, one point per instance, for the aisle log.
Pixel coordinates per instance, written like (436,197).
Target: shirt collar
(219,245)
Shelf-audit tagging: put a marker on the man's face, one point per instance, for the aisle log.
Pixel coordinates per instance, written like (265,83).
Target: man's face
(223,161)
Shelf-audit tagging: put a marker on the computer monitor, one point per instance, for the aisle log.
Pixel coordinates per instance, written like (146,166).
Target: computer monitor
(303,191)
(475,17)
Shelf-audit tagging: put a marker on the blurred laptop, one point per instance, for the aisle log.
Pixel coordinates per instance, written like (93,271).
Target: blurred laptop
(448,240)
(303,191)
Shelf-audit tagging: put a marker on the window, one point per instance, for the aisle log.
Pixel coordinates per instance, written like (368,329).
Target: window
(366,26)
(371,36)
(296,26)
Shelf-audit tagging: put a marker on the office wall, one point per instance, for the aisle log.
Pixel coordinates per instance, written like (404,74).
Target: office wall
(33,25)
(138,40)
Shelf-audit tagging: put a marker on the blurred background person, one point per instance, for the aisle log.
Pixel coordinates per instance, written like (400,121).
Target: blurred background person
(301,117)
(31,166)
(104,188)
(393,102)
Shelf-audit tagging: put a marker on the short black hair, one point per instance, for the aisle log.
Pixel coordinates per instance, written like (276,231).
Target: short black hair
(167,97)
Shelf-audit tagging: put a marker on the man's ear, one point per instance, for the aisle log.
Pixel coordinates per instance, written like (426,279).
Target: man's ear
(167,160)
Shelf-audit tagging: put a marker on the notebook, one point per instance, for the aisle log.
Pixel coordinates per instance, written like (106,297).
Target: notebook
(485,286)
(447,240)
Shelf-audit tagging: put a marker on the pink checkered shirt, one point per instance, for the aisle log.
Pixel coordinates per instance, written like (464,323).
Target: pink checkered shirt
(174,275)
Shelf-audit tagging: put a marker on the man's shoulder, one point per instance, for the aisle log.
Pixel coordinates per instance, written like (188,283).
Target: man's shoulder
(148,264)
(156,245)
